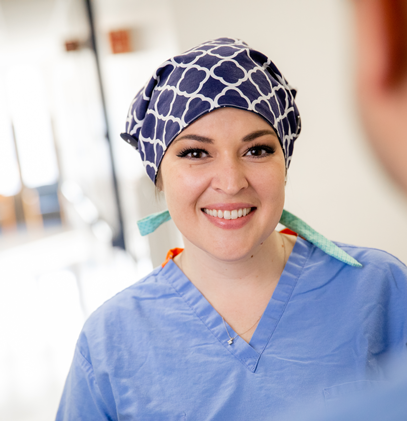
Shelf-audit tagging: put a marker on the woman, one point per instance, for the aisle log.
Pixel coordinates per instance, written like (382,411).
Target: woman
(245,322)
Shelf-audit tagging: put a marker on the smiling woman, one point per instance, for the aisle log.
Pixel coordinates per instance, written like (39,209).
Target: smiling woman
(245,322)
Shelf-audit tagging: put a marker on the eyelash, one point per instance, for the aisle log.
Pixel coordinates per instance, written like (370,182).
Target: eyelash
(185,152)
(268,149)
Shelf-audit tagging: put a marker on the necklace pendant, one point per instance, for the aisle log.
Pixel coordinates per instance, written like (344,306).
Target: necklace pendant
(230,341)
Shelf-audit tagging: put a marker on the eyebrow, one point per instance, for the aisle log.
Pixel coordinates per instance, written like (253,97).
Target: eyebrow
(202,139)
(247,138)
(257,134)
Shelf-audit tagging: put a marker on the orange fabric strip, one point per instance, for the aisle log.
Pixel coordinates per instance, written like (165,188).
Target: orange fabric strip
(171,254)
(288,232)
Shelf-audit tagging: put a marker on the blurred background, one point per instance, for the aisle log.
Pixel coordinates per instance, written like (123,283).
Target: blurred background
(71,190)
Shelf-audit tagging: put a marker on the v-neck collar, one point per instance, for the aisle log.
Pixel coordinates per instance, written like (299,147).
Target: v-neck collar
(247,353)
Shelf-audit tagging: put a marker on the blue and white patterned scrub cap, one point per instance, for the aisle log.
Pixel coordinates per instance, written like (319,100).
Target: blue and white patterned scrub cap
(221,73)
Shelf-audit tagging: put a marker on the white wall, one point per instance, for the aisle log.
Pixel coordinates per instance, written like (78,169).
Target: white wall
(334,183)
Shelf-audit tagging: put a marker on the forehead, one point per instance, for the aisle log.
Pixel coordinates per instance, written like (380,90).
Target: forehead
(225,121)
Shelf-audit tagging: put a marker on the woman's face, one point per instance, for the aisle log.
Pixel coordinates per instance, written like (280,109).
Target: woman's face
(227,164)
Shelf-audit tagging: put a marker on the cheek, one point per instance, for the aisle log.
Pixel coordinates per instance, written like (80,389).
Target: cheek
(270,183)
(184,189)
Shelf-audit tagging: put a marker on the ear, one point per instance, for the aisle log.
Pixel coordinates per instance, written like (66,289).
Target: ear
(382,79)
(159,188)
(382,38)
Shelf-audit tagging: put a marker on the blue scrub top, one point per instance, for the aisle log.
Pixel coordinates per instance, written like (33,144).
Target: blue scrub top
(159,351)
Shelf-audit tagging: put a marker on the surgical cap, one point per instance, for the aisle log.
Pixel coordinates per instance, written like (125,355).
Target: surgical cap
(221,73)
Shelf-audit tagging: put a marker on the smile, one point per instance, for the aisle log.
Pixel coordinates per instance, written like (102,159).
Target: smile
(226,214)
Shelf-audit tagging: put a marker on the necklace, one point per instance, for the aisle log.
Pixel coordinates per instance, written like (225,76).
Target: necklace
(230,341)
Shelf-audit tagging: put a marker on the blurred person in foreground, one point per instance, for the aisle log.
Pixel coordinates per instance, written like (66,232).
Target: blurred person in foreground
(381,27)
(382,80)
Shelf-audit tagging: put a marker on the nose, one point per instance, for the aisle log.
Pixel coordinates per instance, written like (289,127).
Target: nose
(230,176)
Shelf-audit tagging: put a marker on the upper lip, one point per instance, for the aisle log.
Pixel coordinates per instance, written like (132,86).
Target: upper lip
(228,206)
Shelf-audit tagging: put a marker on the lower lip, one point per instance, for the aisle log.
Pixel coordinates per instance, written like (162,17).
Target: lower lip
(230,224)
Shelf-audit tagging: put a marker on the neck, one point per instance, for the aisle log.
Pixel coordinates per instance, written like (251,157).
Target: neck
(206,270)
(239,290)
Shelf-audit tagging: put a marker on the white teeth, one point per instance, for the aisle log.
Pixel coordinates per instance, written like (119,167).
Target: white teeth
(234,214)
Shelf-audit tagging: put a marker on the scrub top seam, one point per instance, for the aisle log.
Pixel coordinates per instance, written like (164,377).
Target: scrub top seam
(288,300)
(210,331)
(79,351)
(91,373)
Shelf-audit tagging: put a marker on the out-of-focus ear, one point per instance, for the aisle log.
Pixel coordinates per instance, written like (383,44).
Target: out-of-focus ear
(159,188)
(394,26)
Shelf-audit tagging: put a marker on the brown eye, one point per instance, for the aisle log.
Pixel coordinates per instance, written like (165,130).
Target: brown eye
(260,151)
(196,154)
(255,152)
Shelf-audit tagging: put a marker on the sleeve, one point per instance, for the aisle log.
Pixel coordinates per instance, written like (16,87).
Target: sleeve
(81,398)
(398,329)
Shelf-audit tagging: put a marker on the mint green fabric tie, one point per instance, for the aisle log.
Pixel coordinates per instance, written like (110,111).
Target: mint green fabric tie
(152,222)
(304,230)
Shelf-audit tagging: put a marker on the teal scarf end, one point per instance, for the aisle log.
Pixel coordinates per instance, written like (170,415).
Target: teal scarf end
(150,223)
(304,230)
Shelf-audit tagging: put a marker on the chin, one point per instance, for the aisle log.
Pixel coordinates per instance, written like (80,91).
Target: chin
(231,256)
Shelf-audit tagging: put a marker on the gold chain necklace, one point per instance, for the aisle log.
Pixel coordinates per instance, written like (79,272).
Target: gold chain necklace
(230,341)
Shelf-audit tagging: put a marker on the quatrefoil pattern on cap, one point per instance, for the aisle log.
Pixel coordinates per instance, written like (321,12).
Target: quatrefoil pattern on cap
(221,73)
